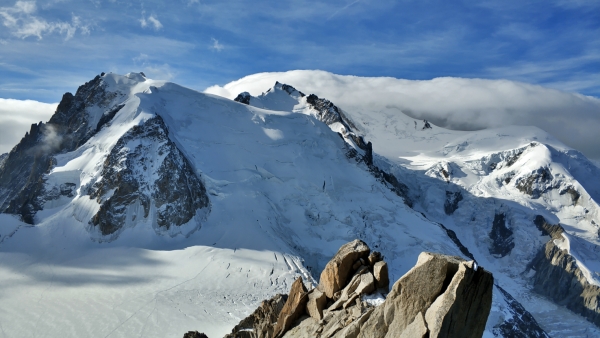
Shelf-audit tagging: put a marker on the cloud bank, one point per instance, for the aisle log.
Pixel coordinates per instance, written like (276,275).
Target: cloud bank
(16,117)
(454,103)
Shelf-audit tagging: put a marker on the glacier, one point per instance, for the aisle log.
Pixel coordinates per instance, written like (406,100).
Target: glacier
(282,180)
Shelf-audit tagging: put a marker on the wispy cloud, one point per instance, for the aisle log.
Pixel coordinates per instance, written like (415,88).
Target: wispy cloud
(150,22)
(21,21)
(216,45)
(158,71)
(342,9)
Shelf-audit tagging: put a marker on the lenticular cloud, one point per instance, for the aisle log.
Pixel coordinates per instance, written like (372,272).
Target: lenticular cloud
(454,103)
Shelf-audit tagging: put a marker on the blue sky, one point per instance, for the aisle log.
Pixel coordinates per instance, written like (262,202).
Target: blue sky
(48,47)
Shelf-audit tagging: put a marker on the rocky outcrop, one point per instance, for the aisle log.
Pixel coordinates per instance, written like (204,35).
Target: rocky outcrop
(555,231)
(144,172)
(357,148)
(22,173)
(243,98)
(536,183)
(520,323)
(558,277)
(442,296)
(452,296)
(335,275)
(261,323)
(501,236)
(294,307)
(451,203)
(328,112)
(194,334)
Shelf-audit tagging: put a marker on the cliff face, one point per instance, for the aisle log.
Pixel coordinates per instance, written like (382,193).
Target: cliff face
(74,122)
(146,175)
(558,277)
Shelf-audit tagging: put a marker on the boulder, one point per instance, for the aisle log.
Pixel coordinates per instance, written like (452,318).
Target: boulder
(336,273)
(380,271)
(467,301)
(375,257)
(315,304)
(294,307)
(362,283)
(416,329)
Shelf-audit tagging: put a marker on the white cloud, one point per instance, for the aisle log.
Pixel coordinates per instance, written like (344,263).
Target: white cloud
(151,21)
(160,71)
(154,70)
(342,9)
(16,117)
(22,22)
(455,103)
(216,45)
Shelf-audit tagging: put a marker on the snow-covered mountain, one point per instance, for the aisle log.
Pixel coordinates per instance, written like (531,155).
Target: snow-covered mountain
(146,208)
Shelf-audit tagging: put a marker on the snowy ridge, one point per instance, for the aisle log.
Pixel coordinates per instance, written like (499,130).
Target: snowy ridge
(282,194)
(487,184)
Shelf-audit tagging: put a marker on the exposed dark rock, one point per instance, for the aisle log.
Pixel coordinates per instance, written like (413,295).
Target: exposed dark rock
(396,186)
(536,183)
(177,193)
(22,174)
(64,189)
(575,195)
(289,89)
(243,98)
(261,323)
(106,117)
(451,203)
(452,235)
(558,277)
(501,235)
(194,334)
(512,159)
(553,230)
(521,324)
(329,113)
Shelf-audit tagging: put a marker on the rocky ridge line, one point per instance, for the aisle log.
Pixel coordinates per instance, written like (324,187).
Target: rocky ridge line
(22,171)
(145,172)
(558,277)
(357,148)
(442,296)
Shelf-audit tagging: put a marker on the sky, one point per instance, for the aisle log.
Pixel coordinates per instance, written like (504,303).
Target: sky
(48,47)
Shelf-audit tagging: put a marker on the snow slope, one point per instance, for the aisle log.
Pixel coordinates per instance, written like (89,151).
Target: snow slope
(510,174)
(284,196)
